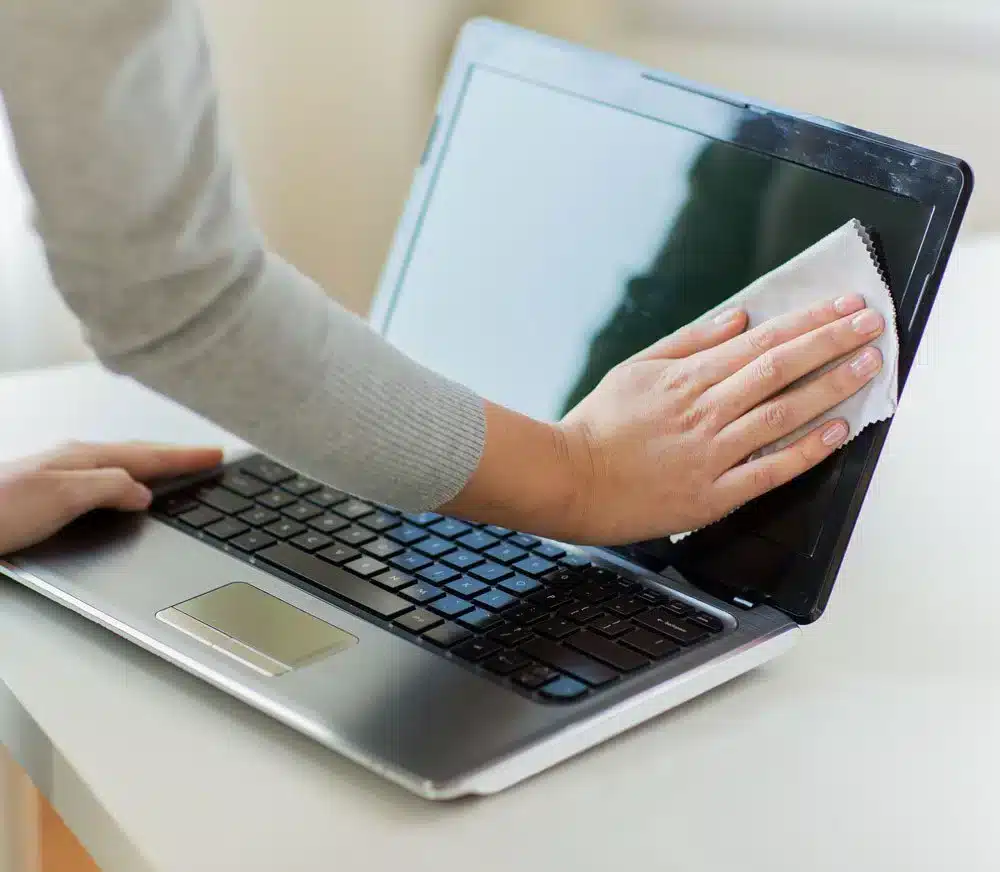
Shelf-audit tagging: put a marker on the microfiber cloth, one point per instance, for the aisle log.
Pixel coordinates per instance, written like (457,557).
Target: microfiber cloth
(845,262)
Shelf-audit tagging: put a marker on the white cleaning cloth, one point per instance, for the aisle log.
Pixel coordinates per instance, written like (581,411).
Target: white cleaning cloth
(842,263)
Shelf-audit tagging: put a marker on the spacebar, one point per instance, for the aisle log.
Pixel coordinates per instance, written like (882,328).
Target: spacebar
(335,580)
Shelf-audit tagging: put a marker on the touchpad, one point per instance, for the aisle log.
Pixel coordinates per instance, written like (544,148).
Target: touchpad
(256,628)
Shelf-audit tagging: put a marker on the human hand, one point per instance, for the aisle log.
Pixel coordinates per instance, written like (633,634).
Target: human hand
(661,445)
(39,495)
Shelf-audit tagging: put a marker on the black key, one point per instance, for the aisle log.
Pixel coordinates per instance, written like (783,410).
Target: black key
(450,606)
(671,626)
(549,551)
(549,599)
(366,567)
(491,572)
(676,607)
(506,662)
(200,517)
(506,553)
(462,559)
(275,499)
(523,540)
(709,622)
(383,549)
(563,689)
(509,634)
(564,578)
(446,635)
(626,585)
(329,523)
(438,573)
(651,644)
(301,511)
(495,600)
(557,628)
(285,528)
(244,485)
(338,553)
(527,614)
(326,497)
(311,541)
(535,566)
(227,528)
(480,620)
(477,540)
(380,521)
(258,516)
(225,501)
(266,470)
(418,621)
(335,580)
(354,535)
(535,676)
(407,534)
(392,510)
(422,592)
(300,486)
(519,584)
(476,649)
(423,519)
(569,661)
(593,593)
(600,574)
(353,509)
(434,547)
(499,532)
(467,587)
(172,506)
(607,651)
(252,541)
(611,626)
(626,606)
(581,612)
(449,528)
(394,579)
(575,561)
(651,596)
(410,561)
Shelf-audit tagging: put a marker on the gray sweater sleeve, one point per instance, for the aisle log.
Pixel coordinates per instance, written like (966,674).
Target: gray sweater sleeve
(150,238)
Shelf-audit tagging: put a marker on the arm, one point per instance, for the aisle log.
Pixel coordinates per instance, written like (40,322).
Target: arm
(151,239)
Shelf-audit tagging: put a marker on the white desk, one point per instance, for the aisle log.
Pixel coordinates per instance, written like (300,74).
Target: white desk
(873,746)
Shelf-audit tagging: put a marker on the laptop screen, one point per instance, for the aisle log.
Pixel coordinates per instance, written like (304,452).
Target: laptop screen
(562,235)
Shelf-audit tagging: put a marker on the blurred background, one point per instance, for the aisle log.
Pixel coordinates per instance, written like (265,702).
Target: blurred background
(331,102)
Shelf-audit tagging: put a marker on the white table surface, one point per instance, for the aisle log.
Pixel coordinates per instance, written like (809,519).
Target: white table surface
(872,746)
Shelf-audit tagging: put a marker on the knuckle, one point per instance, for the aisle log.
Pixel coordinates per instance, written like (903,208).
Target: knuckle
(762,339)
(695,416)
(763,478)
(675,379)
(768,368)
(776,415)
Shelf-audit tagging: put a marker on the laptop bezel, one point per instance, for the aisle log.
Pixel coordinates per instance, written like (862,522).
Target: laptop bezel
(942,182)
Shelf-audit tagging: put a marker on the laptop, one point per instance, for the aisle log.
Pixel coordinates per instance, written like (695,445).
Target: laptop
(569,209)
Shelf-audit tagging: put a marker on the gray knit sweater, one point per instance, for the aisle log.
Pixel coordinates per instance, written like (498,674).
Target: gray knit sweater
(151,239)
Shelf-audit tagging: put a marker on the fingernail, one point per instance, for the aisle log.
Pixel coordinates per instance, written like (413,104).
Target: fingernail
(866,363)
(835,433)
(867,322)
(848,304)
(728,316)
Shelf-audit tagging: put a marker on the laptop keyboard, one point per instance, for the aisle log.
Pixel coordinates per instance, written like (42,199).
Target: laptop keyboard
(538,616)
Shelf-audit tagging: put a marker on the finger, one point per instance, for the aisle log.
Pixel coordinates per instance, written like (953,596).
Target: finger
(784,414)
(699,336)
(751,480)
(718,364)
(75,492)
(784,365)
(142,460)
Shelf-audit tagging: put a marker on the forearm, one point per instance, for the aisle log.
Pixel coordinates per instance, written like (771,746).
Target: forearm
(151,239)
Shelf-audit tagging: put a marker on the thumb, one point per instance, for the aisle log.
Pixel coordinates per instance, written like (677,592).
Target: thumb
(77,492)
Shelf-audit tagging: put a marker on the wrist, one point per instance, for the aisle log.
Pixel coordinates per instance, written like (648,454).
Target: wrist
(531,476)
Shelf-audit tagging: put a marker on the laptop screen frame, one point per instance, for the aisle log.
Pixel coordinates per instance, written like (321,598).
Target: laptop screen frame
(938,181)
